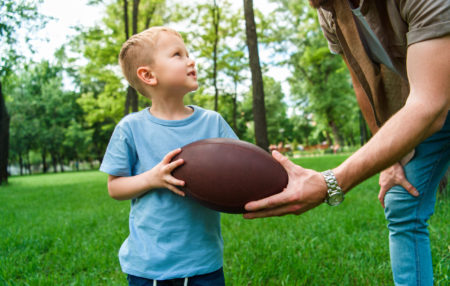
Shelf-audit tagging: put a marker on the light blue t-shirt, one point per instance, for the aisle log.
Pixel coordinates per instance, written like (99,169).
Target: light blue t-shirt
(170,236)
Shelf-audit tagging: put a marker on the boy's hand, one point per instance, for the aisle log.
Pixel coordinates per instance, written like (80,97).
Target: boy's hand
(160,176)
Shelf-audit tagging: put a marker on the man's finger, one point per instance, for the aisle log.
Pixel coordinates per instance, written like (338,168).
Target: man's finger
(279,211)
(170,155)
(381,195)
(283,160)
(410,188)
(269,202)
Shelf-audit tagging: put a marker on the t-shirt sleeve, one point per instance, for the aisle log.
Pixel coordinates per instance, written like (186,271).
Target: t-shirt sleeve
(426,19)
(225,130)
(120,155)
(329,32)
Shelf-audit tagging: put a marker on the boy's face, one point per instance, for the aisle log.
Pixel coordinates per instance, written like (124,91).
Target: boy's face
(172,67)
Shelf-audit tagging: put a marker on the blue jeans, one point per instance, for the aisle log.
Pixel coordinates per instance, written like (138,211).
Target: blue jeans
(407,216)
(215,278)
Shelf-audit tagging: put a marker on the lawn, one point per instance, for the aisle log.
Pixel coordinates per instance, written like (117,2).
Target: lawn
(64,229)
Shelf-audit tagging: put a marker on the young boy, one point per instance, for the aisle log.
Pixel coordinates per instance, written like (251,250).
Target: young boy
(173,240)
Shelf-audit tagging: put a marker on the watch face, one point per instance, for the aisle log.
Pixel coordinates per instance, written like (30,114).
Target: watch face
(336,199)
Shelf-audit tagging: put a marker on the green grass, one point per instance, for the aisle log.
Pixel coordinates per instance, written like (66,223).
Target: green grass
(64,229)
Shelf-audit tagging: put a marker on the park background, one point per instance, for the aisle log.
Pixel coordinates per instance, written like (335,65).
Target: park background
(63,229)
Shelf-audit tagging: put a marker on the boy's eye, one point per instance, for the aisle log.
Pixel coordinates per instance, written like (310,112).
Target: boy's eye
(177,54)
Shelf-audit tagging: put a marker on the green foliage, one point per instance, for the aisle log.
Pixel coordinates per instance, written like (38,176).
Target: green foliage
(321,101)
(279,127)
(15,15)
(64,229)
(41,112)
(320,83)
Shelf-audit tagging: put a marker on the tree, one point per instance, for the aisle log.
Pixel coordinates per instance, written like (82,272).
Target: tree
(234,64)
(320,80)
(4,138)
(131,96)
(279,128)
(101,85)
(259,112)
(41,111)
(14,14)
(215,11)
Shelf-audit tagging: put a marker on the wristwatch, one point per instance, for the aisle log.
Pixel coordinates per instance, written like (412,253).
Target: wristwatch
(335,196)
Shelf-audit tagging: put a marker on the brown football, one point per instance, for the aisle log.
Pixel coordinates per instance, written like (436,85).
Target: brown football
(225,174)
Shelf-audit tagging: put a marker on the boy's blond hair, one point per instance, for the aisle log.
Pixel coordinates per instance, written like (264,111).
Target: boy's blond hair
(137,51)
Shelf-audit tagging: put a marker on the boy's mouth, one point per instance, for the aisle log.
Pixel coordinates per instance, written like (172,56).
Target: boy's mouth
(192,73)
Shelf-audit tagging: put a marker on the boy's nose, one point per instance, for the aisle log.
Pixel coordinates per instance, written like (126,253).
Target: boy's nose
(191,62)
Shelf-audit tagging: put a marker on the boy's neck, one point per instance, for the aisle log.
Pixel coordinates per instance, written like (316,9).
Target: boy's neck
(172,109)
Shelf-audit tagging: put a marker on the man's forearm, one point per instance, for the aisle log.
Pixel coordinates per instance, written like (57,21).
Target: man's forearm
(406,129)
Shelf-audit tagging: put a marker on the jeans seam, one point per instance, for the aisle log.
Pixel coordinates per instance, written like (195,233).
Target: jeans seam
(427,186)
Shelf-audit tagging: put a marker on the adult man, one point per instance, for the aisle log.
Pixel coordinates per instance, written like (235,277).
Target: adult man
(398,55)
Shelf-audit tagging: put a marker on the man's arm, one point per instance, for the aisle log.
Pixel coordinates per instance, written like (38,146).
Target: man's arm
(125,188)
(428,65)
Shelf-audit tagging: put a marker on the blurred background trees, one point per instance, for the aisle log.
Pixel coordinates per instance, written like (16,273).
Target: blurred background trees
(62,112)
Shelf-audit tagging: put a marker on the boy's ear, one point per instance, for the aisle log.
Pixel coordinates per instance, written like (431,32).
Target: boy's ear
(146,75)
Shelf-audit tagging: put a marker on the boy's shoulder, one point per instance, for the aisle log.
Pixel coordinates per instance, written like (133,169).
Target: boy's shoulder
(132,118)
(206,112)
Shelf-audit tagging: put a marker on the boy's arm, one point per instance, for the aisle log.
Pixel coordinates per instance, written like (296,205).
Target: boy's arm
(125,188)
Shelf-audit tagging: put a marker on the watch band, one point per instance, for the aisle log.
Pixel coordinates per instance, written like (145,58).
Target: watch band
(333,189)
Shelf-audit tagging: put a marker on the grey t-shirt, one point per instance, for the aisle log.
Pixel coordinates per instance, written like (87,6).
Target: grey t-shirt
(413,21)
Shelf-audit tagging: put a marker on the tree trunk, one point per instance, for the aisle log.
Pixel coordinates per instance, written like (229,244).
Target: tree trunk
(259,111)
(131,100)
(125,19)
(135,15)
(149,16)
(21,164)
(28,163)
(336,133)
(235,108)
(54,163)
(61,164)
(77,163)
(4,139)
(216,18)
(44,160)
(132,96)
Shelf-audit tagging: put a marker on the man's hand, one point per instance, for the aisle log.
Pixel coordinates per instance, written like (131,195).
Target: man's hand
(393,176)
(160,176)
(306,189)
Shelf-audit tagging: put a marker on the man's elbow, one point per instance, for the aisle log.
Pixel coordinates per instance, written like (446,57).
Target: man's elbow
(432,111)
(441,116)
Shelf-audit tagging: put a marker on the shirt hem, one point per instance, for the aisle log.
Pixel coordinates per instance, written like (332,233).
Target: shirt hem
(428,33)
(153,276)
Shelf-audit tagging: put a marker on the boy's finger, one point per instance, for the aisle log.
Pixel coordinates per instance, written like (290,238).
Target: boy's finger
(174,181)
(170,155)
(176,190)
(172,166)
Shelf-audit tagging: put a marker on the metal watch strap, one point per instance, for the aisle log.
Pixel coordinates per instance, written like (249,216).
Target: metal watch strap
(332,185)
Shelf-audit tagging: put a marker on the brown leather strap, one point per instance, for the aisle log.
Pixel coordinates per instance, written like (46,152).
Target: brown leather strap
(367,72)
